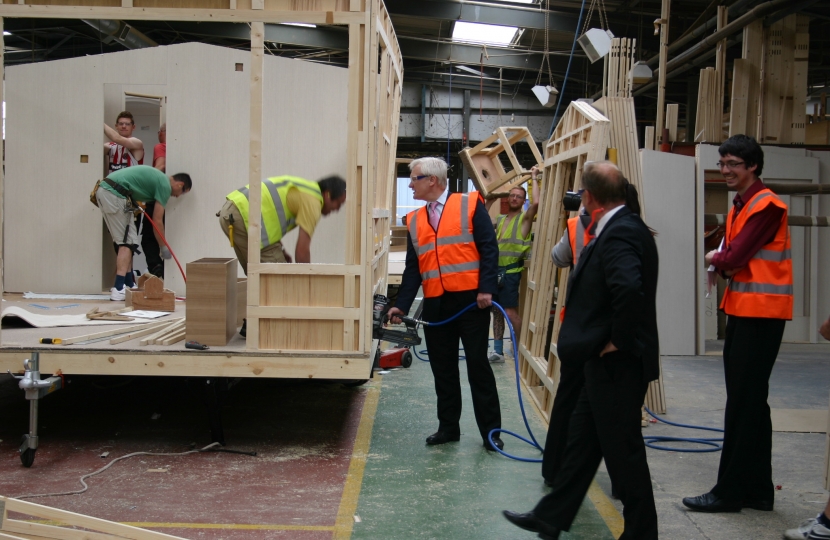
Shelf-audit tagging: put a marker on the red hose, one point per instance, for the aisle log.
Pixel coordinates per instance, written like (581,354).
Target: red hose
(163,239)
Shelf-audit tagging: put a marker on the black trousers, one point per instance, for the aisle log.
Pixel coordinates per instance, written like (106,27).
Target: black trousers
(606,424)
(155,264)
(442,345)
(749,353)
(571,381)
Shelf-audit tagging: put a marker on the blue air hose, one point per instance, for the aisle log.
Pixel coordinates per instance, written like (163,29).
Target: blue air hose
(649,440)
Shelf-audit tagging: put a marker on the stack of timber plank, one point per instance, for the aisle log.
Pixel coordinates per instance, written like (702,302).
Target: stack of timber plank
(55,524)
(620,61)
(582,135)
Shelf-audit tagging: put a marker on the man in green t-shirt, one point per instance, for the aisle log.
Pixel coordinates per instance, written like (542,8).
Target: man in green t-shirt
(143,184)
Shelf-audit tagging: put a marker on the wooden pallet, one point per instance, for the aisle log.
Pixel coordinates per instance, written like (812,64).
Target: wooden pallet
(64,525)
(487,163)
(582,135)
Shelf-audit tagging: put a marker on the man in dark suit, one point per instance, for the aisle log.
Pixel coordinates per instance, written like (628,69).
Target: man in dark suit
(611,331)
(452,252)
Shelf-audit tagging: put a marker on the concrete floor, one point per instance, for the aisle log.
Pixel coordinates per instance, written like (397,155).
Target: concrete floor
(336,462)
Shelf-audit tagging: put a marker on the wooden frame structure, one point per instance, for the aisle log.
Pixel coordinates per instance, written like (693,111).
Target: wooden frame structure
(485,162)
(582,135)
(304,320)
(64,525)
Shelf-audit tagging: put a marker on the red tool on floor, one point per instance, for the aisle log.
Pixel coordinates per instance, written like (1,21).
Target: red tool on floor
(392,358)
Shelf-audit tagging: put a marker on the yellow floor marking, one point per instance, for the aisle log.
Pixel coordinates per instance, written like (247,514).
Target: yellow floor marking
(605,508)
(354,479)
(228,526)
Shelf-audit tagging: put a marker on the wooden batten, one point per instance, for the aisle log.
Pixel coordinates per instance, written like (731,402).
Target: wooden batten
(485,164)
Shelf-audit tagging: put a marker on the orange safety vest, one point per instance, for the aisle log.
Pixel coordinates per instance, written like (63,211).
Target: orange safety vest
(764,287)
(578,237)
(447,259)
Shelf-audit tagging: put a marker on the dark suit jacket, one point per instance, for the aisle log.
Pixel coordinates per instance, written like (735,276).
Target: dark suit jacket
(611,296)
(488,250)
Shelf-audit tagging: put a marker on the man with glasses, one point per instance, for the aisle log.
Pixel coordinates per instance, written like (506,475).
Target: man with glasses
(452,253)
(124,150)
(513,236)
(756,259)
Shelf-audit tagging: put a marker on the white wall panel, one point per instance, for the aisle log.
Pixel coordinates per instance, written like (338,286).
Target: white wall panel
(669,194)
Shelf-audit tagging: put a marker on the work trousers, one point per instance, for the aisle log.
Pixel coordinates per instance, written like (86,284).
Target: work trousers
(571,382)
(152,250)
(442,346)
(606,424)
(270,254)
(749,353)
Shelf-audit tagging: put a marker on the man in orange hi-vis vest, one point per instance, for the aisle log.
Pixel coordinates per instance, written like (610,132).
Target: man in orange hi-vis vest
(452,253)
(757,260)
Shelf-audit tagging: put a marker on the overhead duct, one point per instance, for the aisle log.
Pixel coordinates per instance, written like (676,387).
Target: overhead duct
(122,33)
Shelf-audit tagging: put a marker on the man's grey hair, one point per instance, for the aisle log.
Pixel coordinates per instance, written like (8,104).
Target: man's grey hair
(432,166)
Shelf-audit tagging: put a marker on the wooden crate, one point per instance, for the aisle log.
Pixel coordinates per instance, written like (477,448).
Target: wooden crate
(211,301)
(486,166)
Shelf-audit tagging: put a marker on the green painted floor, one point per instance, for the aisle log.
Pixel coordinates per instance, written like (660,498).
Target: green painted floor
(456,490)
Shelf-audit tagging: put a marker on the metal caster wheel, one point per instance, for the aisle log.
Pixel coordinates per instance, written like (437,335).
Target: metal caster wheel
(406,359)
(27,457)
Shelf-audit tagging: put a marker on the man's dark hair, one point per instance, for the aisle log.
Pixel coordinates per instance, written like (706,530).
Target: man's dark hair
(334,185)
(125,114)
(604,181)
(746,148)
(184,177)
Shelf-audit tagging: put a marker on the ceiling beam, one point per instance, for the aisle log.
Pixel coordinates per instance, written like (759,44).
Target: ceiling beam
(480,12)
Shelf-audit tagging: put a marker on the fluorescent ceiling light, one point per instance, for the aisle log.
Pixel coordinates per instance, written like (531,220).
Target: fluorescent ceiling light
(6,33)
(490,34)
(470,70)
(519,1)
(301,24)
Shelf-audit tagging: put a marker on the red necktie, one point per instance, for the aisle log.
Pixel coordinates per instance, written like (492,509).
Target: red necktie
(433,215)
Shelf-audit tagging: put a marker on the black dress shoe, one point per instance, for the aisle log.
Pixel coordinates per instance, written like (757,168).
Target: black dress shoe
(441,437)
(709,502)
(531,522)
(497,442)
(759,504)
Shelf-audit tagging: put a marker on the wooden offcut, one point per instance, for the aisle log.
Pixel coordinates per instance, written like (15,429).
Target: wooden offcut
(64,525)
(152,297)
(211,300)
(486,163)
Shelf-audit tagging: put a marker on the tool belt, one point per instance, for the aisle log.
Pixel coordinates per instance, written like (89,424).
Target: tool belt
(504,269)
(126,193)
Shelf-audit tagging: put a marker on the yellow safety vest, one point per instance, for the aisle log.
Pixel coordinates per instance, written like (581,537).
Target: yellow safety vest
(277,219)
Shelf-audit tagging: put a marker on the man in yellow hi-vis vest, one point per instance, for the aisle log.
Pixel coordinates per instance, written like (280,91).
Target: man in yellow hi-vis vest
(287,202)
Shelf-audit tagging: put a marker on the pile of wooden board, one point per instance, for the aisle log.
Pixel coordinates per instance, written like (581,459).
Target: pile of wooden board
(620,62)
(164,332)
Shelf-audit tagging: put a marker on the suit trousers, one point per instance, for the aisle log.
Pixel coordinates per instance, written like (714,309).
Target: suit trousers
(749,353)
(606,424)
(442,345)
(571,381)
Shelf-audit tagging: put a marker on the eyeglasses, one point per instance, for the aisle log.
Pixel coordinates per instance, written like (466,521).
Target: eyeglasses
(414,178)
(729,164)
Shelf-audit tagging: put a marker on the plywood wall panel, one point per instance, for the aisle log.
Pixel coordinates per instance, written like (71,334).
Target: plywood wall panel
(669,179)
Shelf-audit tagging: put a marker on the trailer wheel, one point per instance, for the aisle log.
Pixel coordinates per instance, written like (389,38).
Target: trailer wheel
(406,359)
(27,457)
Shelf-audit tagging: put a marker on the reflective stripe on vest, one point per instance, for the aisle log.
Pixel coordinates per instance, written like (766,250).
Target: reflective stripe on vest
(277,218)
(764,287)
(448,259)
(512,248)
(576,234)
